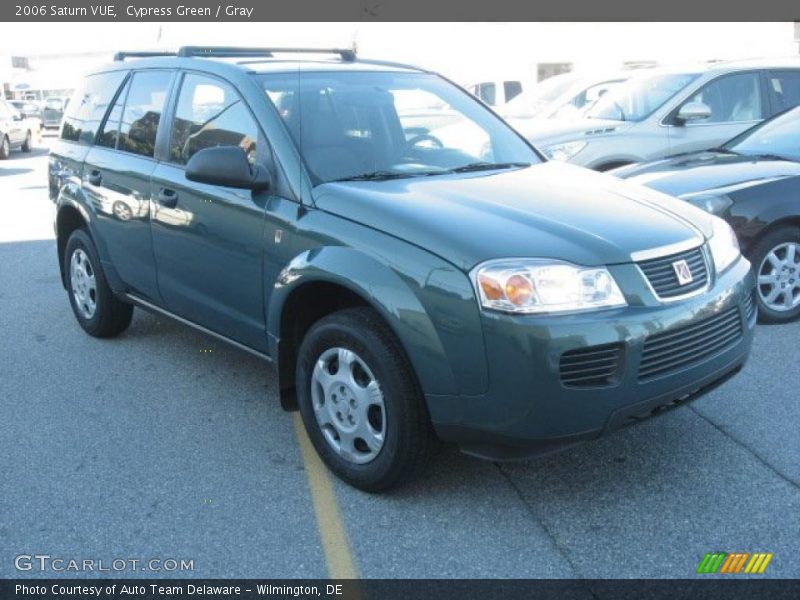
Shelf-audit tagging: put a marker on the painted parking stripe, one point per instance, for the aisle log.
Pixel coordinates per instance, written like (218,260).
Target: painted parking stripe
(331,529)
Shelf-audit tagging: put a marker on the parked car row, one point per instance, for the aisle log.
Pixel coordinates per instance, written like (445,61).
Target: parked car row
(408,286)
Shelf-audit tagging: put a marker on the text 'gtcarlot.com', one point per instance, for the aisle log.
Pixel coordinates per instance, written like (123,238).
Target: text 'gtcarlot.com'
(46,562)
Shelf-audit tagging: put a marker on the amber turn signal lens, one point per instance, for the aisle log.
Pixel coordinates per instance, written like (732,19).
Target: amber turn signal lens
(519,290)
(491,289)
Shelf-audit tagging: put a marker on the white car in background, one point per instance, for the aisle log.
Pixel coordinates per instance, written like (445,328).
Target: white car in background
(497,93)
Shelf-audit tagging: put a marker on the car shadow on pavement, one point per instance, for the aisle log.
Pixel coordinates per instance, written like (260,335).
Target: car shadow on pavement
(4,172)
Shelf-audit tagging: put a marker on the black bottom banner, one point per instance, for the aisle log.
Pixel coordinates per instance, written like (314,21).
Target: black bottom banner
(416,589)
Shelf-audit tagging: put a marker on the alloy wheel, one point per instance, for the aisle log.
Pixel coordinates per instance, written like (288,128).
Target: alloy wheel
(779,277)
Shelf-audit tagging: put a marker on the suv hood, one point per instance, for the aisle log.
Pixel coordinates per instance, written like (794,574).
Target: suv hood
(707,171)
(549,210)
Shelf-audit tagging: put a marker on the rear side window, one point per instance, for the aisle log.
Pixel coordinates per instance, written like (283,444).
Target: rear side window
(144,103)
(784,86)
(210,113)
(88,106)
(110,133)
(512,89)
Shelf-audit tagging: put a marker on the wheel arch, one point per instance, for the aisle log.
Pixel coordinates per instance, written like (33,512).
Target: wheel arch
(321,281)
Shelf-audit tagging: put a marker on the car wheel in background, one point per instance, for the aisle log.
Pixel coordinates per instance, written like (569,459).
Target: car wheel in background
(776,261)
(5,148)
(27,145)
(360,403)
(98,311)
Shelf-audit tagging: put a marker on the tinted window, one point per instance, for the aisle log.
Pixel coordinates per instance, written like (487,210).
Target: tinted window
(487,93)
(210,113)
(109,135)
(143,107)
(88,106)
(779,136)
(512,89)
(785,89)
(732,98)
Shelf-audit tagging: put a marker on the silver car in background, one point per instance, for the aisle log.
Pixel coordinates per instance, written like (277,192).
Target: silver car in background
(666,111)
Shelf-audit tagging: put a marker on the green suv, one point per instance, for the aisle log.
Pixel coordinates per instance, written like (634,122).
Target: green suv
(300,205)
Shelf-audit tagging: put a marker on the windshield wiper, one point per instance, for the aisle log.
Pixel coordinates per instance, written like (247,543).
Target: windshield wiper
(375,176)
(488,166)
(722,150)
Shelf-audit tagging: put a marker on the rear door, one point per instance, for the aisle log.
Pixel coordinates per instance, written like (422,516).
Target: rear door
(116,179)
(209,240)
(737,102)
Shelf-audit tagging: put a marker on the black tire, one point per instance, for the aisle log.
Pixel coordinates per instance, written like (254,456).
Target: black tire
(5,148)
(408,438)
(111,316)
(27,145)
(757,255)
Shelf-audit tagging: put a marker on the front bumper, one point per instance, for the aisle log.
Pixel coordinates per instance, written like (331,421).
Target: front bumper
(528,410)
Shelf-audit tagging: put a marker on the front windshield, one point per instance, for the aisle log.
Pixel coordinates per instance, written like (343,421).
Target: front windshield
(638,98)
(779,137)
(530,103)
(381,125)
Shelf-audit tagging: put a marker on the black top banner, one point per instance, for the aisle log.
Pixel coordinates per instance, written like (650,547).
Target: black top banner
(397,10)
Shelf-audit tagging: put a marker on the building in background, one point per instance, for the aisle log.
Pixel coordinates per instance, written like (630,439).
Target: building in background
(47,61)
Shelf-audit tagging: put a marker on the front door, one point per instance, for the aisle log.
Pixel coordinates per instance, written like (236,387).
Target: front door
(209,240)
(736,102)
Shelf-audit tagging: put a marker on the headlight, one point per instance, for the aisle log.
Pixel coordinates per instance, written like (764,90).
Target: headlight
(715,205)
(544,286)
(563,151)
(723,244)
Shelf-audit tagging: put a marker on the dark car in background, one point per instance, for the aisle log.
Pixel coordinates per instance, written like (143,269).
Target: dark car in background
(53,112)
(753,182)
(404,288)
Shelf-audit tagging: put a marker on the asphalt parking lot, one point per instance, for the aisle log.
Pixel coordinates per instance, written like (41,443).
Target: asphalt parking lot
(164,443)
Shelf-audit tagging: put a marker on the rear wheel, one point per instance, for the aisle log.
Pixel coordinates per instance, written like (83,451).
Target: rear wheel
(27,145)
(776,260)
(96,308)
(5,148)
(359,401)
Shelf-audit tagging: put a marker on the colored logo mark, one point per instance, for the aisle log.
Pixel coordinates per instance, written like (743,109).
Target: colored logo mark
(734,563)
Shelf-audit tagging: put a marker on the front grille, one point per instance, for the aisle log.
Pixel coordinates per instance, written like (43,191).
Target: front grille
(749,306)
(660,272)
(595,366)
(686,346)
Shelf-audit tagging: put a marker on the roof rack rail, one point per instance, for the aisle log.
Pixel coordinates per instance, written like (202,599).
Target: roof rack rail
(345,54)
(120,56)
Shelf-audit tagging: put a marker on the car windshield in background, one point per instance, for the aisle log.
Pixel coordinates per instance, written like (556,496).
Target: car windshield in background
(54,104)
(529,104)
(777,137)
(385,125)
(638,98)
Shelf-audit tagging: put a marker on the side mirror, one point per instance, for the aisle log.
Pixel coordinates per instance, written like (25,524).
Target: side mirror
(693,111)
(227,166)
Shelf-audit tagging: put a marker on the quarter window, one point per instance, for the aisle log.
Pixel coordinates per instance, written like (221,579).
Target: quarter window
(88,106)
(732,98)
(210,113)
(143,107)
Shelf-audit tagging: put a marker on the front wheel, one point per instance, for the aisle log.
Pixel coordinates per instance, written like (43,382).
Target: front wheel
(98,312)
(27,145)
(776,260)
(5,148)
(359,401)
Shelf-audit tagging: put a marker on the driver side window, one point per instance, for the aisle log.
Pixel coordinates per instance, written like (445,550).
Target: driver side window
(732,98)
(210,113)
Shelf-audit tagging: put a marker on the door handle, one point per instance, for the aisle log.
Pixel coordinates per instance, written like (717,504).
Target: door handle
(167,197)
(95,177)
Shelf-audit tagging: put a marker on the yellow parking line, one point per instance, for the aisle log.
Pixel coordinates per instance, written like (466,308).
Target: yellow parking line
(326,509)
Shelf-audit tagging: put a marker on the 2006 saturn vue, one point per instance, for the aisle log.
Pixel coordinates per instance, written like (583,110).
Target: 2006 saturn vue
(406,289)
